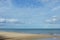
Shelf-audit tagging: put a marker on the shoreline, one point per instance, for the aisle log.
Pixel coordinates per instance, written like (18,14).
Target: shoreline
(21,36)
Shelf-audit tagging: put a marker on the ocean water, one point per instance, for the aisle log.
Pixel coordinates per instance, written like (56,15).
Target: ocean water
(37,31)
(34,31)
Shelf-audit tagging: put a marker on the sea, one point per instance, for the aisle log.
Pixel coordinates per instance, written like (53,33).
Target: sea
(37,31)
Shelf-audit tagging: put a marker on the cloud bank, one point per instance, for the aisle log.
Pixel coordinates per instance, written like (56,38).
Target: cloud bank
(12,20)
(33,12)
(53,20)
(56,8)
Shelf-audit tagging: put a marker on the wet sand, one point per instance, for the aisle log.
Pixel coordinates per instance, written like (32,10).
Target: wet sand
(24,36)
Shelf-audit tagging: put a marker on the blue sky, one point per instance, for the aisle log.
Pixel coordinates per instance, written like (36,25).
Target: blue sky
(32,13)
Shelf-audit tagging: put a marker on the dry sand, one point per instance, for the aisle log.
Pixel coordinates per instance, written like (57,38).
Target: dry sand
(23,36)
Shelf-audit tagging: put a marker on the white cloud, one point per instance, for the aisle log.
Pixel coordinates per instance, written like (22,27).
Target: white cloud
(11,20)
(2,20)
(48,20)
(54,16)
(8,20)
(53,19)
(56,8)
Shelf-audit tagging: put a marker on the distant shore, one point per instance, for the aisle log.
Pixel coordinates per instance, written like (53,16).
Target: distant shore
(22,36)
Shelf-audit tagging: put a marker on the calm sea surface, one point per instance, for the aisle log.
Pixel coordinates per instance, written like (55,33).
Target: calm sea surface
(37,31)
(34,31)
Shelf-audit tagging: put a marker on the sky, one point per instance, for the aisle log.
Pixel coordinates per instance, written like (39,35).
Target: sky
(30,13)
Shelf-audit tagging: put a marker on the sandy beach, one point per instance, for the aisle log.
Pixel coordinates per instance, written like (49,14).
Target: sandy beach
(23,36)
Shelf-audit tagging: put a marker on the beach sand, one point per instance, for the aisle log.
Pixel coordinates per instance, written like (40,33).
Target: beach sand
(23,36)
